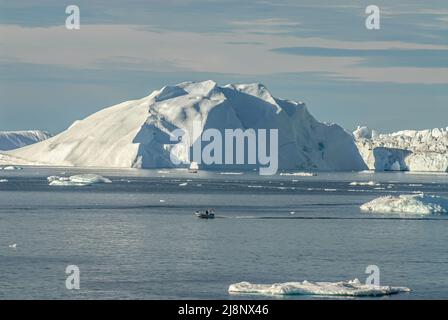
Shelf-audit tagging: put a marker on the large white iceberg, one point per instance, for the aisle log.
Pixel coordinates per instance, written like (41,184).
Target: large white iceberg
(77,180)
(408,204)
(342,288)
(10,140)
(137,133)
(413,150)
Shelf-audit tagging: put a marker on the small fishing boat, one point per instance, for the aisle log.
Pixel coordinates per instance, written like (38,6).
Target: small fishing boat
(194,168)
(207,214)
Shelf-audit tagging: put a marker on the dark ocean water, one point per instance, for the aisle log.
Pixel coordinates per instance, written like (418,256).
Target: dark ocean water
(129,244)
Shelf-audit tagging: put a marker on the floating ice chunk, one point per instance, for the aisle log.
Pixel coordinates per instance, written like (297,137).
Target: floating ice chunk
(11,168)
(77,180)
(13,246)
(362,183)
(343,288)
(231,173)
(330,190)
(409,204)
(3,180)
(299,174)
(183,184)
(163,171)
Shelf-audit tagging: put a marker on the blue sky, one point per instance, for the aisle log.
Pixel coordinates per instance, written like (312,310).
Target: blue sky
(315,51)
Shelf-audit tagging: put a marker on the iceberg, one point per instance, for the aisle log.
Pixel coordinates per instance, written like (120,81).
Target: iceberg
(137,134)
(10,140)
(3,180)
(420,204)
(407,150)
(77,180)
(342,288)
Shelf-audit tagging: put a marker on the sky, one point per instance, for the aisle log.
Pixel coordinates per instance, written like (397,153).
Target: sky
(319,52)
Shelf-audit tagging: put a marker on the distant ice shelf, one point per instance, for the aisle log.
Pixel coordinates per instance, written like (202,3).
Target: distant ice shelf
(10,140)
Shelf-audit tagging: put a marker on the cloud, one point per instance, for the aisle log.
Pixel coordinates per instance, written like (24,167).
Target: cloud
(136,48)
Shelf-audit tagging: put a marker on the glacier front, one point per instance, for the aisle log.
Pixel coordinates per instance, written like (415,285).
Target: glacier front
(136,134)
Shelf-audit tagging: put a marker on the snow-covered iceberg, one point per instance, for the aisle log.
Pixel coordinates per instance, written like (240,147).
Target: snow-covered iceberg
(342,288)
(77,180)
(420,204)
(10,140)
(137,133)
(413,150)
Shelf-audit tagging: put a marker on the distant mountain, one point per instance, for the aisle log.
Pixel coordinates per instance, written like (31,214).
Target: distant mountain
(408,150)
(137,133)
(10,140)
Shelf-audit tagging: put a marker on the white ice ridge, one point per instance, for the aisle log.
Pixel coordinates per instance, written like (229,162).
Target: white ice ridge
(408,204)
(10,140)
(342,288)
(137,133)
(425,150)
(77,180)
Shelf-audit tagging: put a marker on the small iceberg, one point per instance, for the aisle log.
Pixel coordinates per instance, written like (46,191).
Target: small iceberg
(231,173)
(77,180)
(408,204)
(299,174)
(342,288)
(3,180)
(362,183)
(10,168)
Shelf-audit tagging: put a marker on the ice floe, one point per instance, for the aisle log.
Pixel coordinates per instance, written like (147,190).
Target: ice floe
(365,183)
(299,174)
(342,288)
(10,168)
(231,173)
(3,180)
(77,180)
(408,204)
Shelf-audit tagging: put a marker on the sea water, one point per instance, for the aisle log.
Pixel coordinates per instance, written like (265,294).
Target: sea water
(138,238)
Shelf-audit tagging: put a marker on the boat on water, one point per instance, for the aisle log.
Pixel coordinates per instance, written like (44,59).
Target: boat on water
(194,168)
(207,214)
